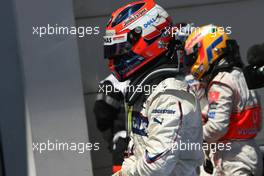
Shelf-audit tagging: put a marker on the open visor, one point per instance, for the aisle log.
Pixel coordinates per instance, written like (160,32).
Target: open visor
(116,45)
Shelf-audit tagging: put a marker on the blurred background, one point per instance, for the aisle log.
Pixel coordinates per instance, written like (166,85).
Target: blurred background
(48,85)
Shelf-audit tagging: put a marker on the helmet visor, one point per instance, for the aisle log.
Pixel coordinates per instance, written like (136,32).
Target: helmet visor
(116,45)
(191,58)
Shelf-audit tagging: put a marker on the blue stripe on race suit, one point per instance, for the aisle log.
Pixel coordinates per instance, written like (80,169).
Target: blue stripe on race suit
(152,159)
(139,124)
(209,50)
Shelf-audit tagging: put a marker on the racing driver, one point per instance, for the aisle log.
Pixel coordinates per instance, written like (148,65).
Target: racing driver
(140,48)
(234,112)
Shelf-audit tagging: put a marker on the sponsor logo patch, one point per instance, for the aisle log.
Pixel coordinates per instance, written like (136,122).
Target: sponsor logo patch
(163,111)
(214,96)
(133,18)
(211,115)
(139,124)
(149,23)
(159,121)
(152,159)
